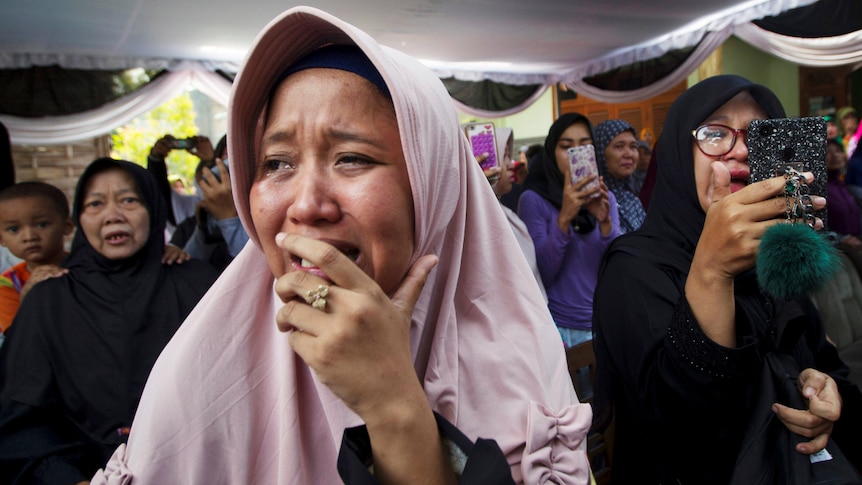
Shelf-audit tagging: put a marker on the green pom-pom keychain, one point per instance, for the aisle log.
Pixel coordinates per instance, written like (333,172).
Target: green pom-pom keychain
(793,260)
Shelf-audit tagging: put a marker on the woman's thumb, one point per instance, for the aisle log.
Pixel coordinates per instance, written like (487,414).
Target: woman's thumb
(407,294)
(719,182)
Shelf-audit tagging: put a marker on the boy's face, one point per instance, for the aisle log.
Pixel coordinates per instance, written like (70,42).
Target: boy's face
(33,230)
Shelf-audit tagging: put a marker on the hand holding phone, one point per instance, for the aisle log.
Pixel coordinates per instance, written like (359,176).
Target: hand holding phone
(582,159)
(483,139)
(798,143)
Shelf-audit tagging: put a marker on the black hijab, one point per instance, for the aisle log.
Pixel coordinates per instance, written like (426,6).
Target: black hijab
(545,178)
(79,351)
(635,309)
(7,165)
(84,256)
(675,219)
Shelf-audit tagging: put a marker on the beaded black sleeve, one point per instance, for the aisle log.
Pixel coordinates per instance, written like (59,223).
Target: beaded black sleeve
(687,339)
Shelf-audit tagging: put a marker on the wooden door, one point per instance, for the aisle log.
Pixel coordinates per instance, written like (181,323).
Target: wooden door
(649,113)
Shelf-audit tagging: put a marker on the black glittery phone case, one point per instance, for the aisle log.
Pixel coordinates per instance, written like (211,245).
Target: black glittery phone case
(776,143)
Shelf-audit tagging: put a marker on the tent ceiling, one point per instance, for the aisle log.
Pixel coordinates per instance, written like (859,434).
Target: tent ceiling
(512,36)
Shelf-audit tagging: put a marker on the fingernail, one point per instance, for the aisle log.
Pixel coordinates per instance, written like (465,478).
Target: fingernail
(280,237)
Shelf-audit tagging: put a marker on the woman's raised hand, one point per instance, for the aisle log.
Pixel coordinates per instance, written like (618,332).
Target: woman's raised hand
(359,345)
(600,206)
(728,245)
(736,222)
(575,196)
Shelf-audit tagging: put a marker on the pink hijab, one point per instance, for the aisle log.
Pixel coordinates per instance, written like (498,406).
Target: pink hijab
(229,401)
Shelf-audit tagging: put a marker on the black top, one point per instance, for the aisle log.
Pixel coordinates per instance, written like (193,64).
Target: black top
(479,463)
(7,165)
(681,400)
(75,362)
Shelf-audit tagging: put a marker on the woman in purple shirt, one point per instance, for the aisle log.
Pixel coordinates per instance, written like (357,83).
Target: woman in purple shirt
(571,225)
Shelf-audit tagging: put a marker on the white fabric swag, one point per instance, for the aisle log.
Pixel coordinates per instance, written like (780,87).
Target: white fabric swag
(823,52)
(820,52)
(90,124)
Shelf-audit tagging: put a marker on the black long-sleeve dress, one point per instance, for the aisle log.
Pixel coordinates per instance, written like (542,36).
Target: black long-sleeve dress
(682,402)
(74,364)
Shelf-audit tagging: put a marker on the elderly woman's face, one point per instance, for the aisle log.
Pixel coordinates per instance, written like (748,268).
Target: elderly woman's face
(113,216)
(621,155)
(737,113)
(331,167)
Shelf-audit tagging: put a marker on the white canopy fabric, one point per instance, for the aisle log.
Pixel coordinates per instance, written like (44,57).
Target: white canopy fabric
(90,124)
(540,42)
(822,52)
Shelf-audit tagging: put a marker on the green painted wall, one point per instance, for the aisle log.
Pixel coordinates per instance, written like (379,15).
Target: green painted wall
(529,125)
(781,76)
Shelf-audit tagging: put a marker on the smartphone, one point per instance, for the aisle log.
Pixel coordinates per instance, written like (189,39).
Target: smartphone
(483,139)
(800,143)
(582,159)
(213,166)
(183,143)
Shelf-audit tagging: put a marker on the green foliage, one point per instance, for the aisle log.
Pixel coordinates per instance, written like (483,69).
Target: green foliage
(130,80)
(176,117)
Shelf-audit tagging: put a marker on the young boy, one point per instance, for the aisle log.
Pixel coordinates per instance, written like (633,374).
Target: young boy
(34,218)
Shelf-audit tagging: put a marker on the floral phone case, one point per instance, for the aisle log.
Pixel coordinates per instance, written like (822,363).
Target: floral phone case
(582,159)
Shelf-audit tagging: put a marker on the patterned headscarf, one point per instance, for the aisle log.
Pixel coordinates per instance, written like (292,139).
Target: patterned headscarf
(632,212)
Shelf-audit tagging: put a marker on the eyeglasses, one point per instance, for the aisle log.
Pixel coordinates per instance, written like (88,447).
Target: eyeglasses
(717,140)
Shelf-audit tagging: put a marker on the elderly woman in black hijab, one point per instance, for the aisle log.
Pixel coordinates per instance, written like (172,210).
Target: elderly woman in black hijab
(682,358)
(75,362)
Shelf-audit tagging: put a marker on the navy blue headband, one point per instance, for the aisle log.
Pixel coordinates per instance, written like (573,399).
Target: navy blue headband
(348,58)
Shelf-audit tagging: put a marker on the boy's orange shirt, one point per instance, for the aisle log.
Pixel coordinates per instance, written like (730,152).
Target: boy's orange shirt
(11,283)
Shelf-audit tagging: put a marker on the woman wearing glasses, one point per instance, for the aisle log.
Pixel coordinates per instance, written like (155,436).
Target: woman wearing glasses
(680,359)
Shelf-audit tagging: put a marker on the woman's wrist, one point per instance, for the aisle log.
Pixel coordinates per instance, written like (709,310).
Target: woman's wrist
(563,224)
(397,413)
(605,226)
(406,442)
(564,219)
(224,213)
(709,294)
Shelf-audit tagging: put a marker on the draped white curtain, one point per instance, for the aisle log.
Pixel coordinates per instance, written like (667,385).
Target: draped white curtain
(481,113)
(708,35)
(94,123)
(823,52)
(817,52)
(710,42)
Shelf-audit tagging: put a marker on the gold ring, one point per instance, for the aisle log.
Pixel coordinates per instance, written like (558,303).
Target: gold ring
(317,298)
